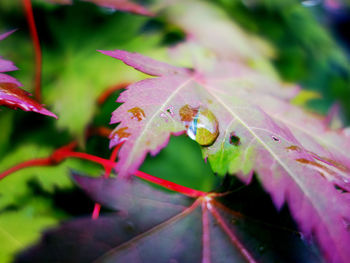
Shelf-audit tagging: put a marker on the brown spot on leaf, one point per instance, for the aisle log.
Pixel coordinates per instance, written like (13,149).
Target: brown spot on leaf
(315,164)
(325,160)
(120,134)
(336,164)
(187,113)
(294,148)
(137,113)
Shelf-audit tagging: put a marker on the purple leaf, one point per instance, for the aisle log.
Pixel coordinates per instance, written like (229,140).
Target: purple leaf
(14,97)
(5,35)
(166,228)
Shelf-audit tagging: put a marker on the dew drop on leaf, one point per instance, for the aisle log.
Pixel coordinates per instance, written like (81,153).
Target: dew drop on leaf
(202,125)
(234,139)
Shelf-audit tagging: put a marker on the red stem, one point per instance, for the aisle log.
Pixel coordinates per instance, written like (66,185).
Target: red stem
(36,43)
(206,257)
(235,241)
(66,151)
(34,162)
(170,185)
(108,92)
(108,170)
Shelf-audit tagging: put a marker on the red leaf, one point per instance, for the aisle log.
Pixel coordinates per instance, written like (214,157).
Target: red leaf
(14,97)
(10,93)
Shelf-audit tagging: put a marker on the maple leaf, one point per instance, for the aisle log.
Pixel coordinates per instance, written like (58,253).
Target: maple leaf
(231,110)
(11,95)
(155,226)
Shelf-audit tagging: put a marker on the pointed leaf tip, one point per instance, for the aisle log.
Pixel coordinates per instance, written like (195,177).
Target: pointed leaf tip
(145,64)
(14,97)
(5,35)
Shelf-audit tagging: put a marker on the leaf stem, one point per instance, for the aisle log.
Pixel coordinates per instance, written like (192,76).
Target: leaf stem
(109,91)
(67,151)
(30,163)
(108,170)
(170,185)
(37,50)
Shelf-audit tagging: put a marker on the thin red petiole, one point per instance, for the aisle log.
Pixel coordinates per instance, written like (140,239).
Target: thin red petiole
(66,151)
(37,50)
(108,92)
(30,163)
(235,241)
(113,157)
(170,185)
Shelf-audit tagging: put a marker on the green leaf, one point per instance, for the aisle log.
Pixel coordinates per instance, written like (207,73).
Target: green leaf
(19,228)
(14,188)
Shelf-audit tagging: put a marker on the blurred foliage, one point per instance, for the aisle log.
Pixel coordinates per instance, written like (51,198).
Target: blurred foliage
(74,75)
(307,51)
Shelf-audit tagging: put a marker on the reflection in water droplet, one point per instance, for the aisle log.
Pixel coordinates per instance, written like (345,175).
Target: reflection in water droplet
(234,139)
(202,125)
(137,113)
(276,139)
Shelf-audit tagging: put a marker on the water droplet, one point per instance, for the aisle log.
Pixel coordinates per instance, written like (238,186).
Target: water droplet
(137,113)
(202,125)
(234,139)
(276,139)
(346,180)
